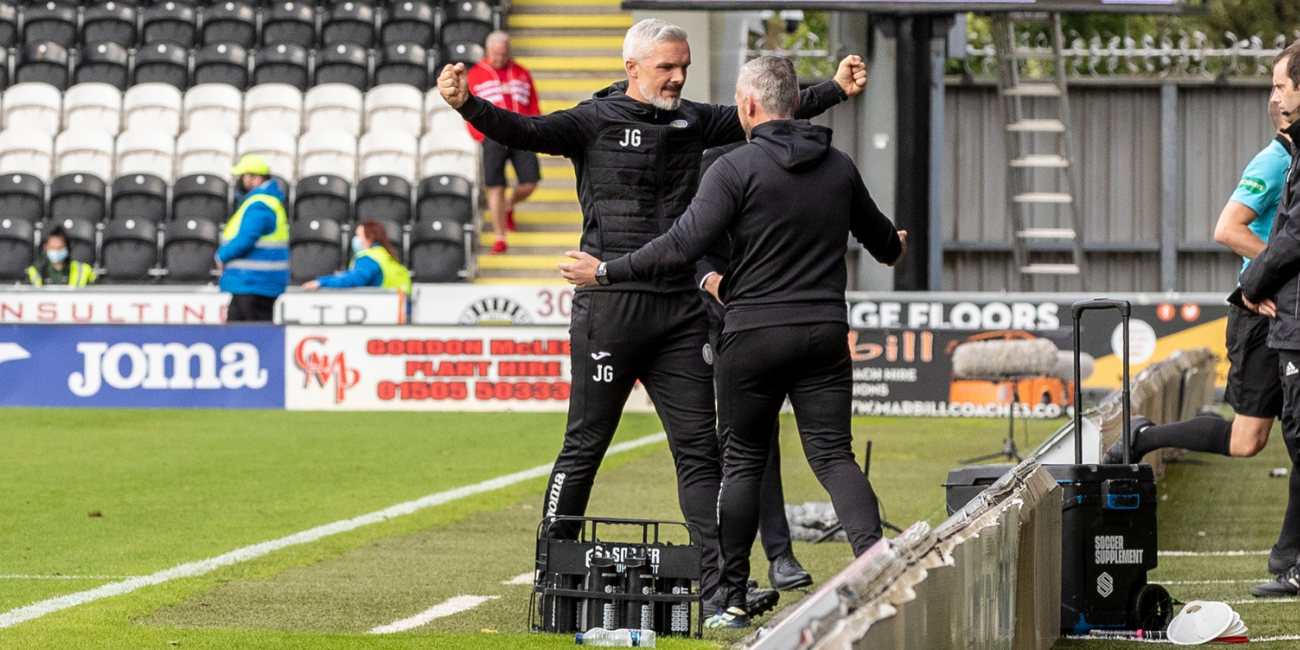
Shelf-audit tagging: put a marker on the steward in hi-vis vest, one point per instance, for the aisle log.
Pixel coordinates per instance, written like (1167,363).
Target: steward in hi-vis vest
(56,268)
(374,264)
(254,252)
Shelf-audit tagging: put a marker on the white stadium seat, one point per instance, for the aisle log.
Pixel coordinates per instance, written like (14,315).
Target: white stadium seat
(333,106)
(280,148)
(327,151)
(27,151)
(396,106)
(434,104)
(33,105)
(93,105)
(449,152)
(273,107)
(145,151)
(86,151)
(384,151)
(205,151)
(214,106)
(152,106)
(451,123)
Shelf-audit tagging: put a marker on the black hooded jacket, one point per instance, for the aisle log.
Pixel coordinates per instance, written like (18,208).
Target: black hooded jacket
(637,166)
(788,201)
(1275,272)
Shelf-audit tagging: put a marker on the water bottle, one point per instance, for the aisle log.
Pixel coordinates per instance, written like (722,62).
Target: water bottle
(602,638)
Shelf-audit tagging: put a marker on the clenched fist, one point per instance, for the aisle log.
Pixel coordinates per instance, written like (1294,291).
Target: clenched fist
(453,84)
(851,76)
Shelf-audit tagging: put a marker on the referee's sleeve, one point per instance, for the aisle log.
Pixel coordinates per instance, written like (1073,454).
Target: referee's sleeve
(1261,183)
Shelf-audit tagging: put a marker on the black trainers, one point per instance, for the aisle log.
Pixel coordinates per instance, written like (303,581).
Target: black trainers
(1287,584)
(761,601)
(1115,454)
(785,573)
(1281,559)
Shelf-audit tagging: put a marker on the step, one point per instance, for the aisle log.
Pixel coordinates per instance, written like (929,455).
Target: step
(567,9)
(570,21)
(1046,233)
(1040,160)
(1037,126)
(1050,269)
(548,173)
(524,280)
(1043,197)
(566,240)
(567,42)
(1033,90)
(543,195)
(567,3)
(589,85)
(551,105)
(526,262)
(548,217)
(594,63)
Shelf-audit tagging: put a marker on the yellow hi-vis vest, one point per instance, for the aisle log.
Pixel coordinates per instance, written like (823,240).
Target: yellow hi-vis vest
(395,275)
(278,239)
(80,274)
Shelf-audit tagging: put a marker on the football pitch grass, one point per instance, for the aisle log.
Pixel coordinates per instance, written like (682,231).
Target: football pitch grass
(94,497)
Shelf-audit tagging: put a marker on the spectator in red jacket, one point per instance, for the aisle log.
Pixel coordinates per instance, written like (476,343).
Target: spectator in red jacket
(498,79)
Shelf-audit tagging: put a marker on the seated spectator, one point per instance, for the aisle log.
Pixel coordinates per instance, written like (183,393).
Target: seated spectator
(56,269)
(374,264)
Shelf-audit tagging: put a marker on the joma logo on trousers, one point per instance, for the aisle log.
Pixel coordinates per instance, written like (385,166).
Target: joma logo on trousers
(553,499)
(146,367)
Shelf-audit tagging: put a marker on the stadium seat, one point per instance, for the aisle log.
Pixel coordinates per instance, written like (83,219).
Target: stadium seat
(129,250)
(152,106)
(408,22)
(323,197)
(402,63)
(93,106)
(205,151)
(163,63)
(273,106)
(139,196)
(433,105)
(106,63)
(8,25)
(4,66)
(348,22)
(291,23)
(333,106)
(437,251)
(465,52)
(17,248)
(466,21)
(328,151)
(315,249)
(383,198)
(190,251)
(445,197)
(43,62)
(388,152)
(169,22)
(230,23)
(81,238)
(343,63)
(50,22)
(449,151)
(145,151)
(110,22)
(282,63)
(35,106)
(83,151)
(78,196)
(280,149)
(27,151)
(22,196)
(214,106)
(201,196)
(395,106)
(222,63)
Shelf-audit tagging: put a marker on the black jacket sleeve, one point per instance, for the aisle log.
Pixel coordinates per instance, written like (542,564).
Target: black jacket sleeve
(722,124)
(562,133)
(1275,265)
(870,226)
(694,234)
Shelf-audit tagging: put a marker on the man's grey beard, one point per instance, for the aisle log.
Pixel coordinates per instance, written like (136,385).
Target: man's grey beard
(658,101)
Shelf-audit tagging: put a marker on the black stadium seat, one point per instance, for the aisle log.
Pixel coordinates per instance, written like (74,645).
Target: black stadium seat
(139,196)
(437,251)
(322,197)
(50,22)
(189,251)
(445,197)
(289,22)
(169,22)
(44,62)
(394,232)
(105,62)
(314,249)
(469,21)
(77,196)
(225,63)
(230,22)
(345,63)
(409,21)
(81,238)
(8,24)
(17,248)
(129,250)
(163,62)
(4,68)
(403,63)
(110,22)
(349,22)
(22,196)
(201,196)
(466,52)
(282,63)
(383,198)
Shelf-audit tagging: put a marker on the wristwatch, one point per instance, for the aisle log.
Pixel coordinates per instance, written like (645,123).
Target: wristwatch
(602,275)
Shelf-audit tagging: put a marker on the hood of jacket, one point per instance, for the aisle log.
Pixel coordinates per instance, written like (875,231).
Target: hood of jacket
(270,187)
(792,143)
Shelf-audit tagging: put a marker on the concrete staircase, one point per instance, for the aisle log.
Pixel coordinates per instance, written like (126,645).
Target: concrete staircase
(572,48)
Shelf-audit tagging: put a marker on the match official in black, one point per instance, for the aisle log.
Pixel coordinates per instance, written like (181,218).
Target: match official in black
(788,201)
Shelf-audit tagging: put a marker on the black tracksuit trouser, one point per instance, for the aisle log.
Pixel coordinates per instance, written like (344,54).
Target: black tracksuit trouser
(616,338)
(758,368)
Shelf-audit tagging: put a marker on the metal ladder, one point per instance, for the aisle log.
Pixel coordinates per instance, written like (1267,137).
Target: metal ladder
(1044,207)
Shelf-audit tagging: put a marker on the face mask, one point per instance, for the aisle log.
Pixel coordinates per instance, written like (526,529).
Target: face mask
(357,244)
(57,255)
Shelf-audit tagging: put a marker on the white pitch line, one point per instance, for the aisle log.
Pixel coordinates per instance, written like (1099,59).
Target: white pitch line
(521,579)
(201,567)
(448,607)
(1209,553)
(19,576)
(1263,639)
(1262,601)
(1211,582)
